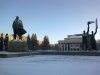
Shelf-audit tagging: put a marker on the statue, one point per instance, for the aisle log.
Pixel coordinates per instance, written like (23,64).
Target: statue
(6,40)
(18,28)
(93,41)
(1,42)
(84,39)
(88,40)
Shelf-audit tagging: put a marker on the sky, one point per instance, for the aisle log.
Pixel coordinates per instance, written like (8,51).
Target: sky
(54,18)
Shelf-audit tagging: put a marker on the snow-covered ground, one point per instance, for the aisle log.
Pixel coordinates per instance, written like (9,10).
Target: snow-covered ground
(50,65)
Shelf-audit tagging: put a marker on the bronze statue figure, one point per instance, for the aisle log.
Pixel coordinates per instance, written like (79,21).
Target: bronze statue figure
(88,40)
(93,41)
(84,38)
(18,28)
(6,40)
(1,42)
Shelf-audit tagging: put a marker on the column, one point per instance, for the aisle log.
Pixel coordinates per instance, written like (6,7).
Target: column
(64,46)
(61,46)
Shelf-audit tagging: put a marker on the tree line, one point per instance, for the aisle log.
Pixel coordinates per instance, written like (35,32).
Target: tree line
(33,43)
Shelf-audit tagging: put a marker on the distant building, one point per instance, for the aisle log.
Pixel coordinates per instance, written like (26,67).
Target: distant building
(72,43)
(54,47)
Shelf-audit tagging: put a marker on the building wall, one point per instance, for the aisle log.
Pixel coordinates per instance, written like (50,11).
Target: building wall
(70,44)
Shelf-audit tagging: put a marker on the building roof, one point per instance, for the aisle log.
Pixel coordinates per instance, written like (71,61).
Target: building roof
(71,40)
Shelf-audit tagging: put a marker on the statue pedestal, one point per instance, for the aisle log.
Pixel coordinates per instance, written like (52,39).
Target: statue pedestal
(17,46)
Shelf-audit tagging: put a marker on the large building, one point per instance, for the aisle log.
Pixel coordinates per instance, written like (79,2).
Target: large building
(71,43)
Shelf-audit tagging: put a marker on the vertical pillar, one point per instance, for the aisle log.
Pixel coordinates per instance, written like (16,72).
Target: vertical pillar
(64,47)
(67,46)
(61,46)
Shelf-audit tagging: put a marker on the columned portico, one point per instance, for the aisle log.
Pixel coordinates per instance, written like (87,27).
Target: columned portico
(70,44)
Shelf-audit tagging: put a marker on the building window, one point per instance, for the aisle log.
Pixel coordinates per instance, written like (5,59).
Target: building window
(77,49)
(71,49)
(74,49)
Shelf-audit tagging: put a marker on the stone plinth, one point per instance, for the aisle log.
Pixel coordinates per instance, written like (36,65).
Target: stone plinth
(17,46)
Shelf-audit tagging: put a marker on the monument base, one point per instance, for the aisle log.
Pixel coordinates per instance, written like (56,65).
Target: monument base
(17,46)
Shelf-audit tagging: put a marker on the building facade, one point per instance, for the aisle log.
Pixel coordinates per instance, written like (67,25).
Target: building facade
(72,43)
